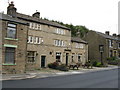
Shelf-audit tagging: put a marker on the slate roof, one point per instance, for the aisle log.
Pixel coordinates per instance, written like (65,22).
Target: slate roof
(77,39)
(10,18)
(107,36)
(42,21)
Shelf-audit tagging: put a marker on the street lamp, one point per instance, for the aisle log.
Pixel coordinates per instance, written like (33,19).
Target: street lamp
(101,49)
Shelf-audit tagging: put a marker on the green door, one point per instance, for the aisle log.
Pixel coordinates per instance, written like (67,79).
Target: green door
(43,59)
(67,54)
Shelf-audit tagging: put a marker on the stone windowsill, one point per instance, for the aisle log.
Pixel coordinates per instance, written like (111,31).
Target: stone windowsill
(11,39)
(8,64)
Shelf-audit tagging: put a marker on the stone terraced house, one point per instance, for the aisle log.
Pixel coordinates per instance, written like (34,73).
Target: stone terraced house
(109,43)
(13,42)
(34,43)
(79,50)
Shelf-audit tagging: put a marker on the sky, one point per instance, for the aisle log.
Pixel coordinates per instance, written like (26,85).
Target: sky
(98,15)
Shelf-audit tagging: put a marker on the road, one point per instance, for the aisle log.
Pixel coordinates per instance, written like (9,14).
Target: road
(100,79)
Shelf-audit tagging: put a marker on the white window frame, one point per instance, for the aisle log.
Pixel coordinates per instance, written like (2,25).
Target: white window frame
(32,39)
(30,25)
(81,45)
(36,26)
(59,54)
(39,26)
(39,40)
(11,25)
(29,37)
(36,40)
(110,43)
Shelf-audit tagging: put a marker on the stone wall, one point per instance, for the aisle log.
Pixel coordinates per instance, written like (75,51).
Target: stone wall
(20,50)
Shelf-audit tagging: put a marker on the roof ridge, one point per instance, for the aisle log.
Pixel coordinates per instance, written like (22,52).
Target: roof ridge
(20,15)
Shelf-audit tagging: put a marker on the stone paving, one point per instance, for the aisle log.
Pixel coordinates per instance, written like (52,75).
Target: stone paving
(43,73)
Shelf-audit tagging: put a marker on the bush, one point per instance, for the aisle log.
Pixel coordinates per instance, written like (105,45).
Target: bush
(113,61)
(97,64)
(111,58)
(94,63)
(62,67)
(53,65)
(56,66)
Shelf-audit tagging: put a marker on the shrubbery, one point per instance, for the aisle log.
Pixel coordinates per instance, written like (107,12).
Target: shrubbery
(113,60)
(53,65)
(97,64)
(62,67)
(58,66)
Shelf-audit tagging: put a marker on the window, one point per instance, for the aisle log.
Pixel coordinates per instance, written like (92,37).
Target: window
(59,31)
(81,46)
(11,31)
(40,40)
(111,53)
(31,56)
(73,57)
(30,39)
(58,43)
(78,45)
(110,43)
(79,58)
(55,42)
(115,53)
(35,26)
(10,55)
(31,25)
(39,27)
(35,40)
(58,56)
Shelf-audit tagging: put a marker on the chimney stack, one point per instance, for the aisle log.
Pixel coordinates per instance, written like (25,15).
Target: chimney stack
(107,32)
(118,35)
(11,10)
(37,14)
(114,35)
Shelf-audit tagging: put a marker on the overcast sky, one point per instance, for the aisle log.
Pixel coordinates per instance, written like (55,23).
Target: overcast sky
(98,15)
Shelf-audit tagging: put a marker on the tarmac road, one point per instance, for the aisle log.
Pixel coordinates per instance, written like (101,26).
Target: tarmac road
(98,79)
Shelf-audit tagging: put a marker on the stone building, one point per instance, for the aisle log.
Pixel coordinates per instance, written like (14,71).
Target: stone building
(102,46)
(47,42)
(37,42)
(14,39)
(79,50)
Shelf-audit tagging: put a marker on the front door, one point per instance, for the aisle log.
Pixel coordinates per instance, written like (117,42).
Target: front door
(43,58)
(67,59)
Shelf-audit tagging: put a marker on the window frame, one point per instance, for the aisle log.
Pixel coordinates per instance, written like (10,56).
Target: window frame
(60,55)
(12,27)
(110,43)
(9,52)
(35,57)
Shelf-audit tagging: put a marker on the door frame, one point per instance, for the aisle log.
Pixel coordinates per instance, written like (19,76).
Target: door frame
(67,59)
(44,61)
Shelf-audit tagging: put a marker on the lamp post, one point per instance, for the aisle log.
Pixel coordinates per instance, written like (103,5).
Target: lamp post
(101,49)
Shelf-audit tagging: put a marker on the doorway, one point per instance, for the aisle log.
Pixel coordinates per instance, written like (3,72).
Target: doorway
(67,54)
(43,60)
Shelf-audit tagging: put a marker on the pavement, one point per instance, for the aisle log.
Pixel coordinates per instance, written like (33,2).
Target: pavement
(51,73)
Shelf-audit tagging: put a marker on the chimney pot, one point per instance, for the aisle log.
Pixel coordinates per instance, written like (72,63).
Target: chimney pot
(37,15)
(114,35)
(11,10)
(118,35)
(107,32)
